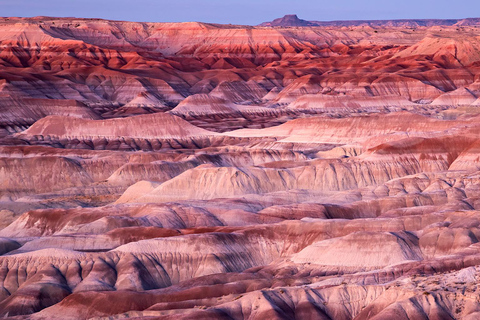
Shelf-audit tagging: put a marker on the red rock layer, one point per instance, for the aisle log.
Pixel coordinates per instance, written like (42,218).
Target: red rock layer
(200,171)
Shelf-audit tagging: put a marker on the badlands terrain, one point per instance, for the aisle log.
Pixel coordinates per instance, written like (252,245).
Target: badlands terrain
(199,171)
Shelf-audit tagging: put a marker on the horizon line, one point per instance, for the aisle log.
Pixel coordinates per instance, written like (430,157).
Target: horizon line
(252,25)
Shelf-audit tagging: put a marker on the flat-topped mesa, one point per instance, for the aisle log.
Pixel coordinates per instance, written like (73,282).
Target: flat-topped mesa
(372,129)
(289,20)
(154,126)
(203,104)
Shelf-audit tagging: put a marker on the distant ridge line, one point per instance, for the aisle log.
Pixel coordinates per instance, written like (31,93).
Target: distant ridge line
(292,20)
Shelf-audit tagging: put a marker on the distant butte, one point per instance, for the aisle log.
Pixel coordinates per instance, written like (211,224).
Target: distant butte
(289,20)
(292,20)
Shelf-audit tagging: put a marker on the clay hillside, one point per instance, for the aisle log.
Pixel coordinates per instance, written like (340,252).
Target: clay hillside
(292,170)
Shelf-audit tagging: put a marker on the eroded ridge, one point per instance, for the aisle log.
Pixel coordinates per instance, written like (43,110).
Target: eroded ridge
(293,170)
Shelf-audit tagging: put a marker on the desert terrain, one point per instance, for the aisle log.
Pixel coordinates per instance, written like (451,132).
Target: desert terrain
(291,170)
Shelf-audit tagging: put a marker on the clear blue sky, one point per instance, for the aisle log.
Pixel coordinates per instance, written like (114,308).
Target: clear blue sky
(241,11)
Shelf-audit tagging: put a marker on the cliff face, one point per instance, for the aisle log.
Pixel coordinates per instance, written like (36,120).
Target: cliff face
(192,170)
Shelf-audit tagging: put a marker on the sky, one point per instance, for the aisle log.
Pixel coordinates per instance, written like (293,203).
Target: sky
(248,12)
